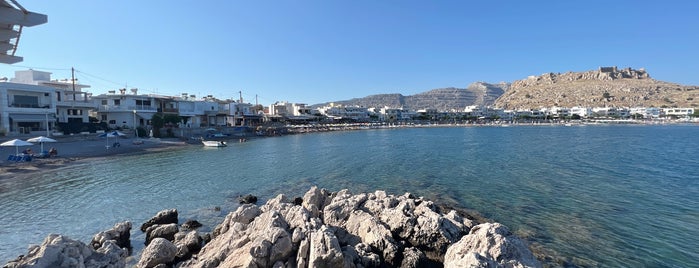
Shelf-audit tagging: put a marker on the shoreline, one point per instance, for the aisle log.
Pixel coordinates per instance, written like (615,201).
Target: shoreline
(72,150)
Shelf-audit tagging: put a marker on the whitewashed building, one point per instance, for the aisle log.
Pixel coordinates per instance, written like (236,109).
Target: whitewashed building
(26,108)
(73,104)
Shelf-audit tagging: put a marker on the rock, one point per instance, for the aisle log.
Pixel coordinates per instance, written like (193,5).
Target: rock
(159,251)
(244,215)
(339,209)
(298,201)
(413,258)
(163,217)
(166,231)
(247,199)
(191,224)
(488,244)
(325,250)
(314,201)
(187,244)
(371,232)
(120,234)
(61,251)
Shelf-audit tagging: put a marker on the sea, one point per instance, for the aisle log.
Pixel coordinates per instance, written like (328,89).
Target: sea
(587,195)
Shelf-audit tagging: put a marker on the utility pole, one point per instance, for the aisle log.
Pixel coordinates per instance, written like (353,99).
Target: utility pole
(256,100)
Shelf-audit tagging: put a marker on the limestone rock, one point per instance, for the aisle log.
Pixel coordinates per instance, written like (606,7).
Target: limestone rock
(159,251)
(166,231)
(120,234)
(488,244)
(413,258)
(61,251)
(163,217)
(325,250)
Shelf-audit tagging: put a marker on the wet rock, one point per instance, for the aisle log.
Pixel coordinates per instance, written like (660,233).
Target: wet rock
(490,245)
(247,199)
(298,201)
(159,251)
(120,234)
(163,217)
(191,225)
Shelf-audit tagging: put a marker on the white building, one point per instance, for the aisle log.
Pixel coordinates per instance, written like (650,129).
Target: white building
(72,103)
(26,108)
(679,112)
(583,112)
(125,110)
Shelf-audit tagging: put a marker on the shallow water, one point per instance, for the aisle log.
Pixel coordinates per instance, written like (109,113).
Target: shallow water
(597,195)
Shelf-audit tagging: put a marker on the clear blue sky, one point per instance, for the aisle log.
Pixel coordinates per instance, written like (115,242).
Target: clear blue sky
(327,50)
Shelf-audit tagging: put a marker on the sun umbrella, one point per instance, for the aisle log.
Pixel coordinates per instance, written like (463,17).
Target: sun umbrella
(107,135)
(16,143)
(41,140)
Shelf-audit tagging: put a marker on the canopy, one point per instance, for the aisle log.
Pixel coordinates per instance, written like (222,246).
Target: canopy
(17,143)
(41,140)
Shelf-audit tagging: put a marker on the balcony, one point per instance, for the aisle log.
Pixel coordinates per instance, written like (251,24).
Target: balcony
(120,108)
(30,105)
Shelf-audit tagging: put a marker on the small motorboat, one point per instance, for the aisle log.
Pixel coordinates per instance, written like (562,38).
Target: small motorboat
(214,143)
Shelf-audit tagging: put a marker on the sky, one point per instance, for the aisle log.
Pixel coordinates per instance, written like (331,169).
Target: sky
(311,52)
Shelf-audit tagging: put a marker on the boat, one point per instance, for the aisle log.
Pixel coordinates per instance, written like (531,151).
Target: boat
(214,143)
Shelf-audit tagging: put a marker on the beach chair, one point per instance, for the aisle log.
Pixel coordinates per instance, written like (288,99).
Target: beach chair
(11,157)
(27,158)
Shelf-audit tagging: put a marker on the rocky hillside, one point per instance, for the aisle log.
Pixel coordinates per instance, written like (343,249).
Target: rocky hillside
(607,86)
(443,99)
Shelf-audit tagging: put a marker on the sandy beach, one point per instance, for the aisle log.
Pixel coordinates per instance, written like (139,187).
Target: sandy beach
(72,149)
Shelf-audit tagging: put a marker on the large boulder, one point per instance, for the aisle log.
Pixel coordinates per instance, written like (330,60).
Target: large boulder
(163,217)
(61,251)
(488,244)
(166,231)
(159,251)
(324,250)
(120,234)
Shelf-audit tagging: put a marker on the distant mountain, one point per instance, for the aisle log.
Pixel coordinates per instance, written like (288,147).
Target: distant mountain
(442,99)
(607,86)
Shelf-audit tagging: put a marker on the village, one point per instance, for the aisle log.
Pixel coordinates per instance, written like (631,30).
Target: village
(32,102)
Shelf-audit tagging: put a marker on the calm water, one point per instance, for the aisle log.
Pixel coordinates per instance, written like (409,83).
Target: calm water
(598,195)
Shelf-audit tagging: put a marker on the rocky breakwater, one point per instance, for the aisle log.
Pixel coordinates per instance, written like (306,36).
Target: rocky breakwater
(109,248)
(324,229)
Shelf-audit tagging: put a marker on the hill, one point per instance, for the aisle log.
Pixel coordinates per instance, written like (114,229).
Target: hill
(607,86)
(442,99)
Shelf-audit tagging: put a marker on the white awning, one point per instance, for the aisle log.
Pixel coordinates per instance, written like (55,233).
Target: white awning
(29,117)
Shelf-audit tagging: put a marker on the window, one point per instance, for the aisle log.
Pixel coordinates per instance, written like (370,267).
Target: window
(104,102)
(75,112)
(113,122)
(143,102)
(117,102)
(26,101)
(104,117)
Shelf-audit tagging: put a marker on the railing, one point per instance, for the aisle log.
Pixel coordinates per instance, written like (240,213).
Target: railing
(28,105)
(119,108)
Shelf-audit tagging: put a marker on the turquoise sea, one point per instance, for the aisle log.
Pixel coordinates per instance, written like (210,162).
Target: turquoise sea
(597,196)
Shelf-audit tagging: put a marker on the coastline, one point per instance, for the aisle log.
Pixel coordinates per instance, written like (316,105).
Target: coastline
(72,149)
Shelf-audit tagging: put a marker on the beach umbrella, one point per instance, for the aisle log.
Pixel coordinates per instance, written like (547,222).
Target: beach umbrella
(107,135)
(41,140)
(16,143)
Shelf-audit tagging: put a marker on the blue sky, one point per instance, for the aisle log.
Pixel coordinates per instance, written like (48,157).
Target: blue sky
(319,51)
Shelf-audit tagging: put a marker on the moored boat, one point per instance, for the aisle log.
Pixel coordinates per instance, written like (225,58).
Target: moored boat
(214,143)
